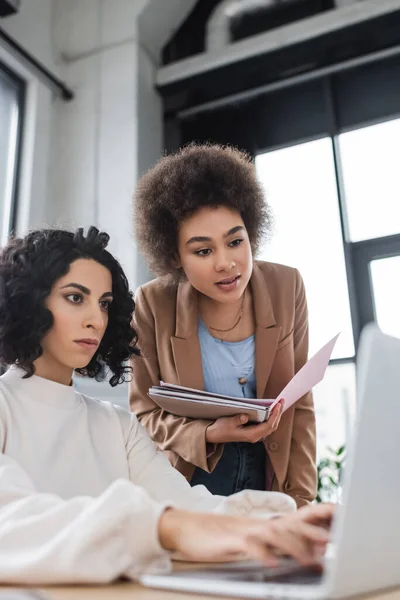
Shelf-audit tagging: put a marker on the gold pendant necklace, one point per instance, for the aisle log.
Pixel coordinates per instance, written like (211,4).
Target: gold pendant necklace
(236,323)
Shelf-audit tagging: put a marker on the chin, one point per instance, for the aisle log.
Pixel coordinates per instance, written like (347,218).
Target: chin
(223,298)
(81,365)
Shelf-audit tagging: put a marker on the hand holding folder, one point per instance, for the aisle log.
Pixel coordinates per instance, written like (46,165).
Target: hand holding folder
(198,404)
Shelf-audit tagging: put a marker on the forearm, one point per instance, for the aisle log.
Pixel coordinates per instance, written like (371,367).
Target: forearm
(45,539)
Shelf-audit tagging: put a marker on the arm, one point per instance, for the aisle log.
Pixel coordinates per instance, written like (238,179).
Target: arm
(151,469)
(302,471)
(303,535)
(186,437)
(45,539)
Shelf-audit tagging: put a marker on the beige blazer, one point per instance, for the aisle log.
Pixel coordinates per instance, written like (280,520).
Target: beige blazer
(166,317)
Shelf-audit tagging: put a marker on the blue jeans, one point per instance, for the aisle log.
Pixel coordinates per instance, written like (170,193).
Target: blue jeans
(241,467)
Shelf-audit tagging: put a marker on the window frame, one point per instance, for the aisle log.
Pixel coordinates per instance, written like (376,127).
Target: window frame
(364,252)
(20,88)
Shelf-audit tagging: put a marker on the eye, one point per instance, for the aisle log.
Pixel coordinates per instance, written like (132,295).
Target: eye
(235,243)
(74,298)
(105,305)
(203,252)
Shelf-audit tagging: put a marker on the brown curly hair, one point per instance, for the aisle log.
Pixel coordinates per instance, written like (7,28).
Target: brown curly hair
(179,184)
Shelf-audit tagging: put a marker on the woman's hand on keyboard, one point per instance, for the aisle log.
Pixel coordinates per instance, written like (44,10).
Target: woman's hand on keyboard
(302,535)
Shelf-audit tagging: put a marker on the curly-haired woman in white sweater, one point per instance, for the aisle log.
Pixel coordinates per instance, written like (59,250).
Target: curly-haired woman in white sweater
(84,494)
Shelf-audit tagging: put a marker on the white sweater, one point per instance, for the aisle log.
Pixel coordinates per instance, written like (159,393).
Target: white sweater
(82,488)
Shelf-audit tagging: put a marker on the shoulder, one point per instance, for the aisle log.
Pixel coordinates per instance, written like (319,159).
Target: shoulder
(282,282)
(156,297)
(156,289)
(285,288)
(113,413)
(276,272)
(5,398)
(6,393)
(100,408)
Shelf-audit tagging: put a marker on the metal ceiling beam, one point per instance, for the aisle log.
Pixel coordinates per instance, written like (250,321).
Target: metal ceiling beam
(286,36)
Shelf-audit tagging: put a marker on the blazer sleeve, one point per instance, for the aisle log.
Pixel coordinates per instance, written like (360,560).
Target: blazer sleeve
(302,473)
(186,437)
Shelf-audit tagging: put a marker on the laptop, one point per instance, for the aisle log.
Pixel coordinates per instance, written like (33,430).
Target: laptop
(366,528)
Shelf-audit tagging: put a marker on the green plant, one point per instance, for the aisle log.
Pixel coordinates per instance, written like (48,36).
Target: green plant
(329,470)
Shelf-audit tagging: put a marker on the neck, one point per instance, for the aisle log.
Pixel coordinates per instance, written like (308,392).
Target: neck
(219,314)
(53,371)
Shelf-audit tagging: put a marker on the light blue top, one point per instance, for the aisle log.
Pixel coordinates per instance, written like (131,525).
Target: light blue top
(224,363)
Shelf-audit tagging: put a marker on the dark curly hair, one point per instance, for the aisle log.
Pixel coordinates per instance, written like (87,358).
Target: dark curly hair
(179,184)
(29,267)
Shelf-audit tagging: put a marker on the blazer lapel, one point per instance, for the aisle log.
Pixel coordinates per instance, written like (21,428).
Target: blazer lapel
(267,331)
(185,343)
(266,344)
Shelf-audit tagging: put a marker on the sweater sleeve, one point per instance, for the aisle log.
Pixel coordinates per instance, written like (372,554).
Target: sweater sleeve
(46,540)
(150,468)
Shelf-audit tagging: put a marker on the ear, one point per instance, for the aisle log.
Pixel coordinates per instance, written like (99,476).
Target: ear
(176,261)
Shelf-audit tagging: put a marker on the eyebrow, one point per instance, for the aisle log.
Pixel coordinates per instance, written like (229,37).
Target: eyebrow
(85,290)
(202,238)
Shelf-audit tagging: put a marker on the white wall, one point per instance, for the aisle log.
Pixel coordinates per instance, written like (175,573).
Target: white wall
(94,143)
(83,157)
(32,28)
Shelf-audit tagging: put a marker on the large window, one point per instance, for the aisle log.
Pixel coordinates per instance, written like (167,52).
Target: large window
(385,278)
(11,103)
(300,187)
(370,159)
(336,202)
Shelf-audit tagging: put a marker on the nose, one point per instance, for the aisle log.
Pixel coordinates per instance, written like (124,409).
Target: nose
(223,260)
(95,318)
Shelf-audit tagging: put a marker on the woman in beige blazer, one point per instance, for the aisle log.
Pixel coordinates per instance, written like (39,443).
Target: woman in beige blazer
(216,319)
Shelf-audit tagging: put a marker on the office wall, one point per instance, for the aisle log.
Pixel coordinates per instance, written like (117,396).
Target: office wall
(32,28)
(86,154)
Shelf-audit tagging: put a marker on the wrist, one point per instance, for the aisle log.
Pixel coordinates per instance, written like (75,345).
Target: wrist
(167,528)
(210,434)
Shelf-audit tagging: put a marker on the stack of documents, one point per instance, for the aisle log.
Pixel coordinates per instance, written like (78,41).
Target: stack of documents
(187,402)
(198,404)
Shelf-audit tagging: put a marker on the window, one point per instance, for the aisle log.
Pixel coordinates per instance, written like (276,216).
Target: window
(385,275)
(300,187)
(371,186)
(11,102)
(335,406)
(370,159)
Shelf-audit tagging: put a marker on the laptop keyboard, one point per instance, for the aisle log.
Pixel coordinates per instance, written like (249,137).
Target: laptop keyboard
(305,577)
(290,574)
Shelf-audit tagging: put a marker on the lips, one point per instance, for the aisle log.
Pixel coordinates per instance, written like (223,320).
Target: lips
(230,284)
(87,343)
(228,281)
